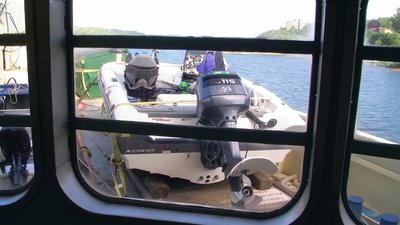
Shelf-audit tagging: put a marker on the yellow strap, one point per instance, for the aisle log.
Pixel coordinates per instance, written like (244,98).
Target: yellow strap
(121,174)
(83,70)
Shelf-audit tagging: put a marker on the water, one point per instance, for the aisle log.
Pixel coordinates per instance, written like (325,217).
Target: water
(379,103)
(288,76)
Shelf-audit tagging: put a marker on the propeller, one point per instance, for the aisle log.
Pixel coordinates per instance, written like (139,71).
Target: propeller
(241,187)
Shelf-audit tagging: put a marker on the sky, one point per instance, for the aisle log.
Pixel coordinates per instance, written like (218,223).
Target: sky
(218,18)
(228,18)
(382,8)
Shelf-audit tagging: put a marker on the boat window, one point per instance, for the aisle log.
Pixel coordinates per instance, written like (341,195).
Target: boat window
(208,18)
(378,91)
(261,91)
(164,169)
(12,17)
(158,103)
(14,85)
(373,159)
(383,23)
(371,196)
(16,158)
(16,155)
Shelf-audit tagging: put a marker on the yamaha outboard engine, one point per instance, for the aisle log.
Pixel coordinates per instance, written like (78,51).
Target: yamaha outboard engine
(141,75)
(221,100)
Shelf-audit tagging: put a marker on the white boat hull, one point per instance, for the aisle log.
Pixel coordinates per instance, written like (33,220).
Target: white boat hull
(181,109)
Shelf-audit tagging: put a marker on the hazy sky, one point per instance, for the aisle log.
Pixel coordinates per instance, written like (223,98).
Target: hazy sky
(382,8)
(235,18)
(181,17)
(225,18)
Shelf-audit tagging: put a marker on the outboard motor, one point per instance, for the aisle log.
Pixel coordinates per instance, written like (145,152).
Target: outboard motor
(221,100)
(141,75)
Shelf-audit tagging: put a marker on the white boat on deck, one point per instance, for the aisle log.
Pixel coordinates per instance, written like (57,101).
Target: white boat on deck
(142,90)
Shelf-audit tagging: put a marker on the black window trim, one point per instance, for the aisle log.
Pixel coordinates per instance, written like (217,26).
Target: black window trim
(355,146)
(17,197)
(231,44)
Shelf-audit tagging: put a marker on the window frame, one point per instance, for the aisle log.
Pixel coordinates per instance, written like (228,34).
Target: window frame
(315,139)
(355,146)
(222,44)
(53,130)
(14,197)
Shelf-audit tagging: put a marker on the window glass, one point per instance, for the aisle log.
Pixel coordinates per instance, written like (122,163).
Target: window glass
(383,23)
(194,87)
(373,187)
(14,86)
(12,16)
(379,105)
(222,18)
(263,177)
(16,158)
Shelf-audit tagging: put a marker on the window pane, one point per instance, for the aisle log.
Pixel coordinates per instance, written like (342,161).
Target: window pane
(12,17)
(16,158)
(379,105)
(383,23)
(178,91)
(376,183)
(221,18)
(179,170)
(14,87)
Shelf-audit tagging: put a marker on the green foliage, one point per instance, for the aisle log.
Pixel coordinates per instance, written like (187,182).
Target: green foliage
(384,22)
(103,31)
(383,39)
(374,37)
(283,34)
(395,21)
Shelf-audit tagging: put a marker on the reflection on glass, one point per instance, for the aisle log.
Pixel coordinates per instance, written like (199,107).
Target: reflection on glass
(12,16)
(16,158)
(221,18)
(373,187)
(383,23)
(262,177)
(194,87)
(14,86)
(378,109)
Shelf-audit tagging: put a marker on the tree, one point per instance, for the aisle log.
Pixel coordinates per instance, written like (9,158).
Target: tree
(373,24)
(384,22)
(395,21)
(291,34)
(384,39)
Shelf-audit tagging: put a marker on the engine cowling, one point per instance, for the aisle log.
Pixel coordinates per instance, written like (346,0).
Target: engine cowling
(221,99)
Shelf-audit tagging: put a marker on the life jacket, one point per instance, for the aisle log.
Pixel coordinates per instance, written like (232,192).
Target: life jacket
(207,65)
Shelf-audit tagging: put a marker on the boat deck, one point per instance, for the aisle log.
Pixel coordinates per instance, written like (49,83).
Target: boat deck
(153,187)
(10,182)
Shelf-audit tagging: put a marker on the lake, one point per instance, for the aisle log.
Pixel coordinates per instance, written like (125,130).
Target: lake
(288,76)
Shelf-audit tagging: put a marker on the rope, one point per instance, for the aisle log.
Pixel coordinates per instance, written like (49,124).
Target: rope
(86,89)
(95,174)
(14,91)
